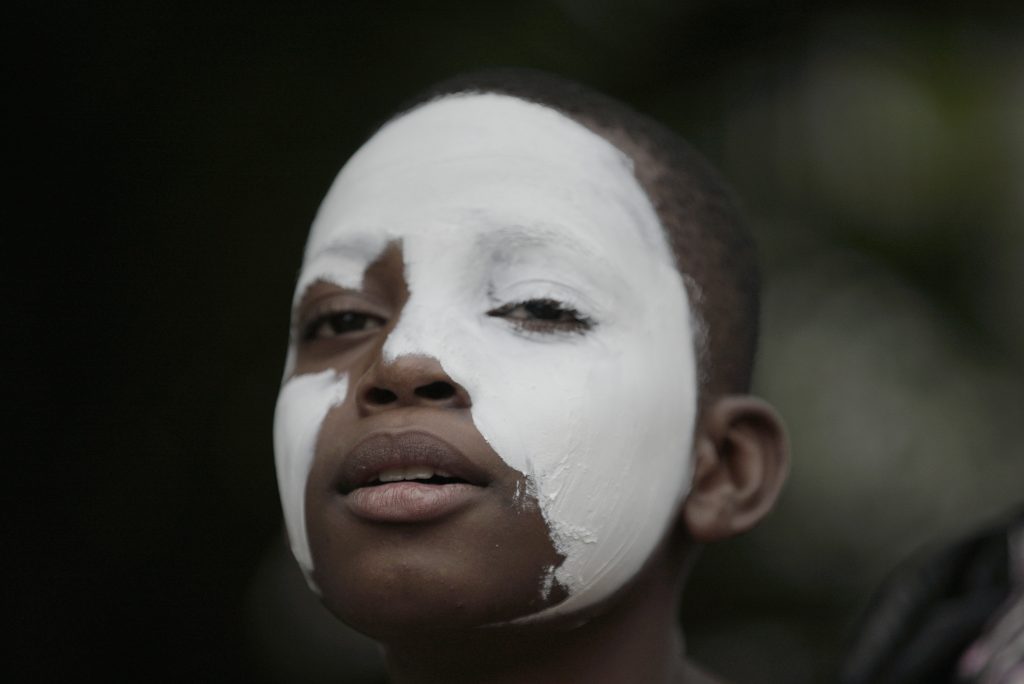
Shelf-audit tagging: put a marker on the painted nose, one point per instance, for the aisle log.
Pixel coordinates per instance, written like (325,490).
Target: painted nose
(409,381)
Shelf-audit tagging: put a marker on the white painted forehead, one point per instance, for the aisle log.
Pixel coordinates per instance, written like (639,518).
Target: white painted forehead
(491,128)
(483,124)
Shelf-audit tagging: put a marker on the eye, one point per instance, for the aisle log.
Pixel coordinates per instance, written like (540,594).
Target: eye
(336,323)
(543,315)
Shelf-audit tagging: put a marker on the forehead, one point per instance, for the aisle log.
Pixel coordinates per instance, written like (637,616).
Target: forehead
(495,169)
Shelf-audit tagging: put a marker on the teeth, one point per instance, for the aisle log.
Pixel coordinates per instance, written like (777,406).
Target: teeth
(410,473)
(419,473)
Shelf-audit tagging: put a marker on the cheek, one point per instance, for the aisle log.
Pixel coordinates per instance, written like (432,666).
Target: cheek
(603,430)
(302,404)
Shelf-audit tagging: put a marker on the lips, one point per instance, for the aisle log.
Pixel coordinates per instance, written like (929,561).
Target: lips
(408,477)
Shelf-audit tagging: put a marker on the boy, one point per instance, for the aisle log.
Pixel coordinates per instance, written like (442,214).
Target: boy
(514,402)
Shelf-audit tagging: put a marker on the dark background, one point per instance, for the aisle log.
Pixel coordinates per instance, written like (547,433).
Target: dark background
(167,160)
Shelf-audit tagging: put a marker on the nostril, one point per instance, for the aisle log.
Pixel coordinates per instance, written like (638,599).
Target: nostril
(377,395)
(436,391)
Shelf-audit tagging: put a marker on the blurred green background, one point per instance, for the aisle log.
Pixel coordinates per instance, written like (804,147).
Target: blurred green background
(173,156)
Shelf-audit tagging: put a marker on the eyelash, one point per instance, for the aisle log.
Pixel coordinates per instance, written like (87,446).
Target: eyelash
(341,323)
(533,315)
(543,315)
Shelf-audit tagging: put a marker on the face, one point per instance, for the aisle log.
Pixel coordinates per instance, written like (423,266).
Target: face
(490,393)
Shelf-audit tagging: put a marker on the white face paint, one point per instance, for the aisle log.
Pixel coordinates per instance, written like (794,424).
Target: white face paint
(498,201)
(301,407)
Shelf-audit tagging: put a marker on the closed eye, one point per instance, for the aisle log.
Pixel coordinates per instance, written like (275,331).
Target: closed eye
(337,323)
(543,315)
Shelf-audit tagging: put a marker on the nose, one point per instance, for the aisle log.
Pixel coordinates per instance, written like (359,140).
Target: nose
(408,381)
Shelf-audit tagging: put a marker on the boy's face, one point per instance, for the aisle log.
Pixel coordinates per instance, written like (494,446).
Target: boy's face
(486,290)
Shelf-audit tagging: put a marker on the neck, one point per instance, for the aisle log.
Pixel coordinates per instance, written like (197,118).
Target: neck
(635,639)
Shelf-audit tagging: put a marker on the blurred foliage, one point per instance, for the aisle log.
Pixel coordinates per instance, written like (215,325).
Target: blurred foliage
(880,153)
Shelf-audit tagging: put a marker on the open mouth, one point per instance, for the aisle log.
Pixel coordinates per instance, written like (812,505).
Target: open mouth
(408,477)
(386,458)
(411,495)
(419,474)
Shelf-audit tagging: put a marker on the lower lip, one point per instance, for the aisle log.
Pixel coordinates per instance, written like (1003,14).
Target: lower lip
(409,502)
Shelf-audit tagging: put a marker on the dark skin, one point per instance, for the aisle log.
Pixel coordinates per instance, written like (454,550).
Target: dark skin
(439,595)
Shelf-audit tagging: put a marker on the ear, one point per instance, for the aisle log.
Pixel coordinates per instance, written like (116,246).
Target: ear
(741,457)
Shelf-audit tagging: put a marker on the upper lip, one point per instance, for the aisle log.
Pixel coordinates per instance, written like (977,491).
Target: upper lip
(387,450)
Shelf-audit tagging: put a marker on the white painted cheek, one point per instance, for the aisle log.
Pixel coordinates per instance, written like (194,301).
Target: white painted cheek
(302,404)
(612,501)
(603,428)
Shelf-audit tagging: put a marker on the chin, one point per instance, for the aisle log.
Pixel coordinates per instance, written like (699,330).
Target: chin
(407,598)
(470,571)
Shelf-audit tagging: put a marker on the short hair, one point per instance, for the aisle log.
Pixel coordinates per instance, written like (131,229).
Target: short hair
(713,249)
